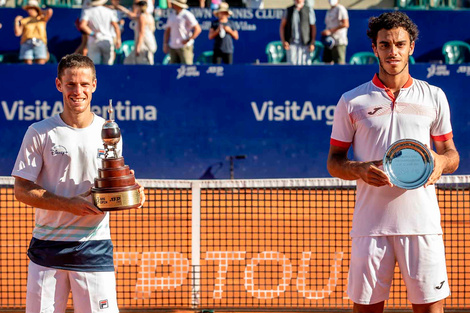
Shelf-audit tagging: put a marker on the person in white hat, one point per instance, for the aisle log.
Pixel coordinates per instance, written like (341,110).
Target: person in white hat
(181,30)
(32,29)
(104,35)
(337,24)
(222,31)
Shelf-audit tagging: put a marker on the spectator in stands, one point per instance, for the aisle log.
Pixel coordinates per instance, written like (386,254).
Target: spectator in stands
(393,225)
(82,48)
(337,24)
(181,30)
(298,32)
(104,36)
(32,30)
(222,31)
(144,37)
(116,6)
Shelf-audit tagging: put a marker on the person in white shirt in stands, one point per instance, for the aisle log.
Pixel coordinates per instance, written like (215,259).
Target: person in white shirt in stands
(181,30)
(337,24)
(104,35)
(392,225)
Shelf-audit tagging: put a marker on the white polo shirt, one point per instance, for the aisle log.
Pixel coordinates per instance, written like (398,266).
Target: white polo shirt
(370,119)
(65,160)
(181,28)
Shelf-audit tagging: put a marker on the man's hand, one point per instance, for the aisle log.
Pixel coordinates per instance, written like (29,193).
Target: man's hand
(326,32)
(372,175)
(141,191)
(79,205)
(286,45)
(118,43)
(311,47)
(439,164)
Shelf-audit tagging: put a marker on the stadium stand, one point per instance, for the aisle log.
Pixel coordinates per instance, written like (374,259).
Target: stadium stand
(364,57)
(275,52)
(456,52)
(205,57)
(317,55)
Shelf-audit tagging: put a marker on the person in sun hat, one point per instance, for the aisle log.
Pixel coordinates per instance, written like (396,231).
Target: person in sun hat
(32,29)
(104,35)
(181,30)
(222,31)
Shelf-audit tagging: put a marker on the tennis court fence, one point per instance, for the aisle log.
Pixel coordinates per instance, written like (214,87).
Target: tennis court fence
(252,245)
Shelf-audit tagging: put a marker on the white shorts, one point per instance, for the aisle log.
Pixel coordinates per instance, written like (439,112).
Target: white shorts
(421,260)
(48,290)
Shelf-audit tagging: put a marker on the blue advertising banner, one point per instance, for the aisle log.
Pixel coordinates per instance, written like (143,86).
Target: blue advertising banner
(184,122)
(257,28)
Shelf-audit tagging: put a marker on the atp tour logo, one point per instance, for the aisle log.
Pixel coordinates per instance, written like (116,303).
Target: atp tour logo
(59,150)
(151,279)
(104,304)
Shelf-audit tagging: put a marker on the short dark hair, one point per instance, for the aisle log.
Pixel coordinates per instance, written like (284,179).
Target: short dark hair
(391,20)
(75,61)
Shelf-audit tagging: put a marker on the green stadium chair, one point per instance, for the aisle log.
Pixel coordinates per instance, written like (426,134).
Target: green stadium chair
(62,3)
(317,55)
(443,4)
(166,59)
(52,59)
(275,52)
(412,60)
(127,47)
(413,4)
(365,57)
(456,52)
(9,57)
(205,57)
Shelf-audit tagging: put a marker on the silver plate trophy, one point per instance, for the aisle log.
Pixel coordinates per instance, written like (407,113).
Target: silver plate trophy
(408,163)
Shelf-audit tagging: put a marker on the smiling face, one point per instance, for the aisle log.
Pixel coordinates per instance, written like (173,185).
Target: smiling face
(393,47)
(77,85)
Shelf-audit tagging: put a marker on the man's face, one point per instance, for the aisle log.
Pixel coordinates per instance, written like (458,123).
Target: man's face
(299,3)
(393,49)
(77,86)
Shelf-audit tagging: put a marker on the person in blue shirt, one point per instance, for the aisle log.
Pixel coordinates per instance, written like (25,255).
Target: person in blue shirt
(222,32)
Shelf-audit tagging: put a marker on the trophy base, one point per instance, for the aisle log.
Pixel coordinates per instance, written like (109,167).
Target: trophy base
(116,199)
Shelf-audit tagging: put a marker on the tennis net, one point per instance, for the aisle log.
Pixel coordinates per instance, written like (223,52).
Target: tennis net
(238,245)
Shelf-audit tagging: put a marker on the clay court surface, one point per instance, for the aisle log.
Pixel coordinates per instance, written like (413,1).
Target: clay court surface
(270,249)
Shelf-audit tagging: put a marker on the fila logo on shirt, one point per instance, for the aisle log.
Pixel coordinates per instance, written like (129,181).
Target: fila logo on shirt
(58,149)
(104,304)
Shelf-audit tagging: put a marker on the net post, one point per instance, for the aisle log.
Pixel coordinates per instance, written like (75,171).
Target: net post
(195,242)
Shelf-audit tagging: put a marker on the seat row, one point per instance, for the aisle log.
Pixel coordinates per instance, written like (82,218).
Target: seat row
(455,52)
